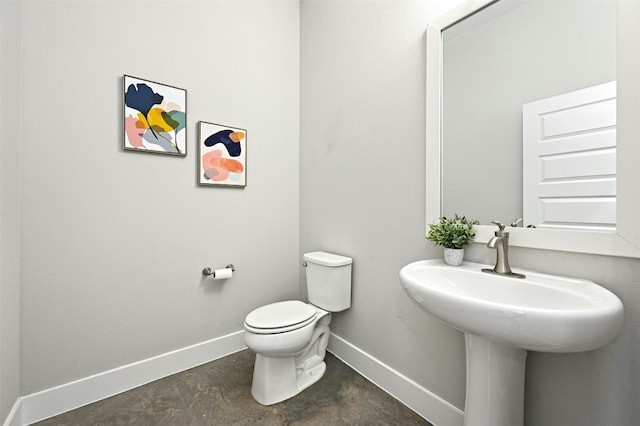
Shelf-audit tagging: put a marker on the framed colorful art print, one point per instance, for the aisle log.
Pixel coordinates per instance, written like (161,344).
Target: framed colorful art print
(155,117)
(222,155)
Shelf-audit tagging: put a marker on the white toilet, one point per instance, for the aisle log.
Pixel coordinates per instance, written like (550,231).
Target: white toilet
(290,338)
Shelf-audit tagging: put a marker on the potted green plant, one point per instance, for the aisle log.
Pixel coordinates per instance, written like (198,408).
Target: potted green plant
(453,235)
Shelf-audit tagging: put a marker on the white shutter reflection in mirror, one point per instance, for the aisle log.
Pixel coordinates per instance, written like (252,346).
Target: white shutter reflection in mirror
(569,160)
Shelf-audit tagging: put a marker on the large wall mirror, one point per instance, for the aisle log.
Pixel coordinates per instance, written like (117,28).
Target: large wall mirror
(521,123)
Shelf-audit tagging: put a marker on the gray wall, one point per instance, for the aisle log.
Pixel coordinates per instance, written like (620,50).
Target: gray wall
(362,180)
(113,242)
(9,206)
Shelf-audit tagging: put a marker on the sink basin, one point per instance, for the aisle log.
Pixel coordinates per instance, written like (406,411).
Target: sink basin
(540,312)
(503,317)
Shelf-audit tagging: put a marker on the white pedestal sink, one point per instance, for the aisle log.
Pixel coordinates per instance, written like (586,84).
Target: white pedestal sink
(502,318)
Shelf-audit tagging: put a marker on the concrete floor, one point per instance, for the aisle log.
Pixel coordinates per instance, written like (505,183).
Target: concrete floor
(218,393)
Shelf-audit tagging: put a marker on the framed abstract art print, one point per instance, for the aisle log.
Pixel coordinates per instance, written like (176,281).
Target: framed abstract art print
(222,155)
(155,117)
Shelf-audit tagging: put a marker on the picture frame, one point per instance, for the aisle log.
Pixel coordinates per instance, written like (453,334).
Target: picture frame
(222,155)
(154,116)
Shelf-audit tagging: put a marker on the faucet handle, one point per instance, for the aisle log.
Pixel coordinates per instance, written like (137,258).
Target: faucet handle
(516,222)
(500,225)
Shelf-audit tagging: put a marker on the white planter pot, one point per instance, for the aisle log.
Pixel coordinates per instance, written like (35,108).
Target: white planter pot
(453,256)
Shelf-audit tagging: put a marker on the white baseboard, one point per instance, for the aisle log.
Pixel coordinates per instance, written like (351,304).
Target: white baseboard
(13,419)
(50,402)
(417,398)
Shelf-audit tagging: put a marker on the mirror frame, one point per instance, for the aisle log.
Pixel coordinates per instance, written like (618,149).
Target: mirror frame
(594,242)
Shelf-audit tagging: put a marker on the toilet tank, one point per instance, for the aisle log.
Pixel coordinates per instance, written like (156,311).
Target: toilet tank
(328,280)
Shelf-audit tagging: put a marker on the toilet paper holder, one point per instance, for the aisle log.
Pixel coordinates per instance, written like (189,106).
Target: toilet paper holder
(211,272)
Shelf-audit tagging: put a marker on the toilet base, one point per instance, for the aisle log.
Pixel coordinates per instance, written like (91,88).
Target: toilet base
(277,379)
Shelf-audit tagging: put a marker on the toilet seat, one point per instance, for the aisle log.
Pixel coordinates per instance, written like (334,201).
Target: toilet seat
(280,317)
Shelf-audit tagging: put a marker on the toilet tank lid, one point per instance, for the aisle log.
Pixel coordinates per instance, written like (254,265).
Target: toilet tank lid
(327,259)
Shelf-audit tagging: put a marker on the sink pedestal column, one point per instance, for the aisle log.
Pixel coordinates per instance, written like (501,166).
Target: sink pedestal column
(495,383)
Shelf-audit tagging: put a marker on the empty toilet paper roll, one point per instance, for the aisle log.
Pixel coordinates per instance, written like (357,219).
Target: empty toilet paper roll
(221,274)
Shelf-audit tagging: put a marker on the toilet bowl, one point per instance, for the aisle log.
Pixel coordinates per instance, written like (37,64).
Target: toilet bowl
(289,356)
(290,338)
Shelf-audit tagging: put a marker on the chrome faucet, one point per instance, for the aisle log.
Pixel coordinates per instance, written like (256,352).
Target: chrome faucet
(500,242)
